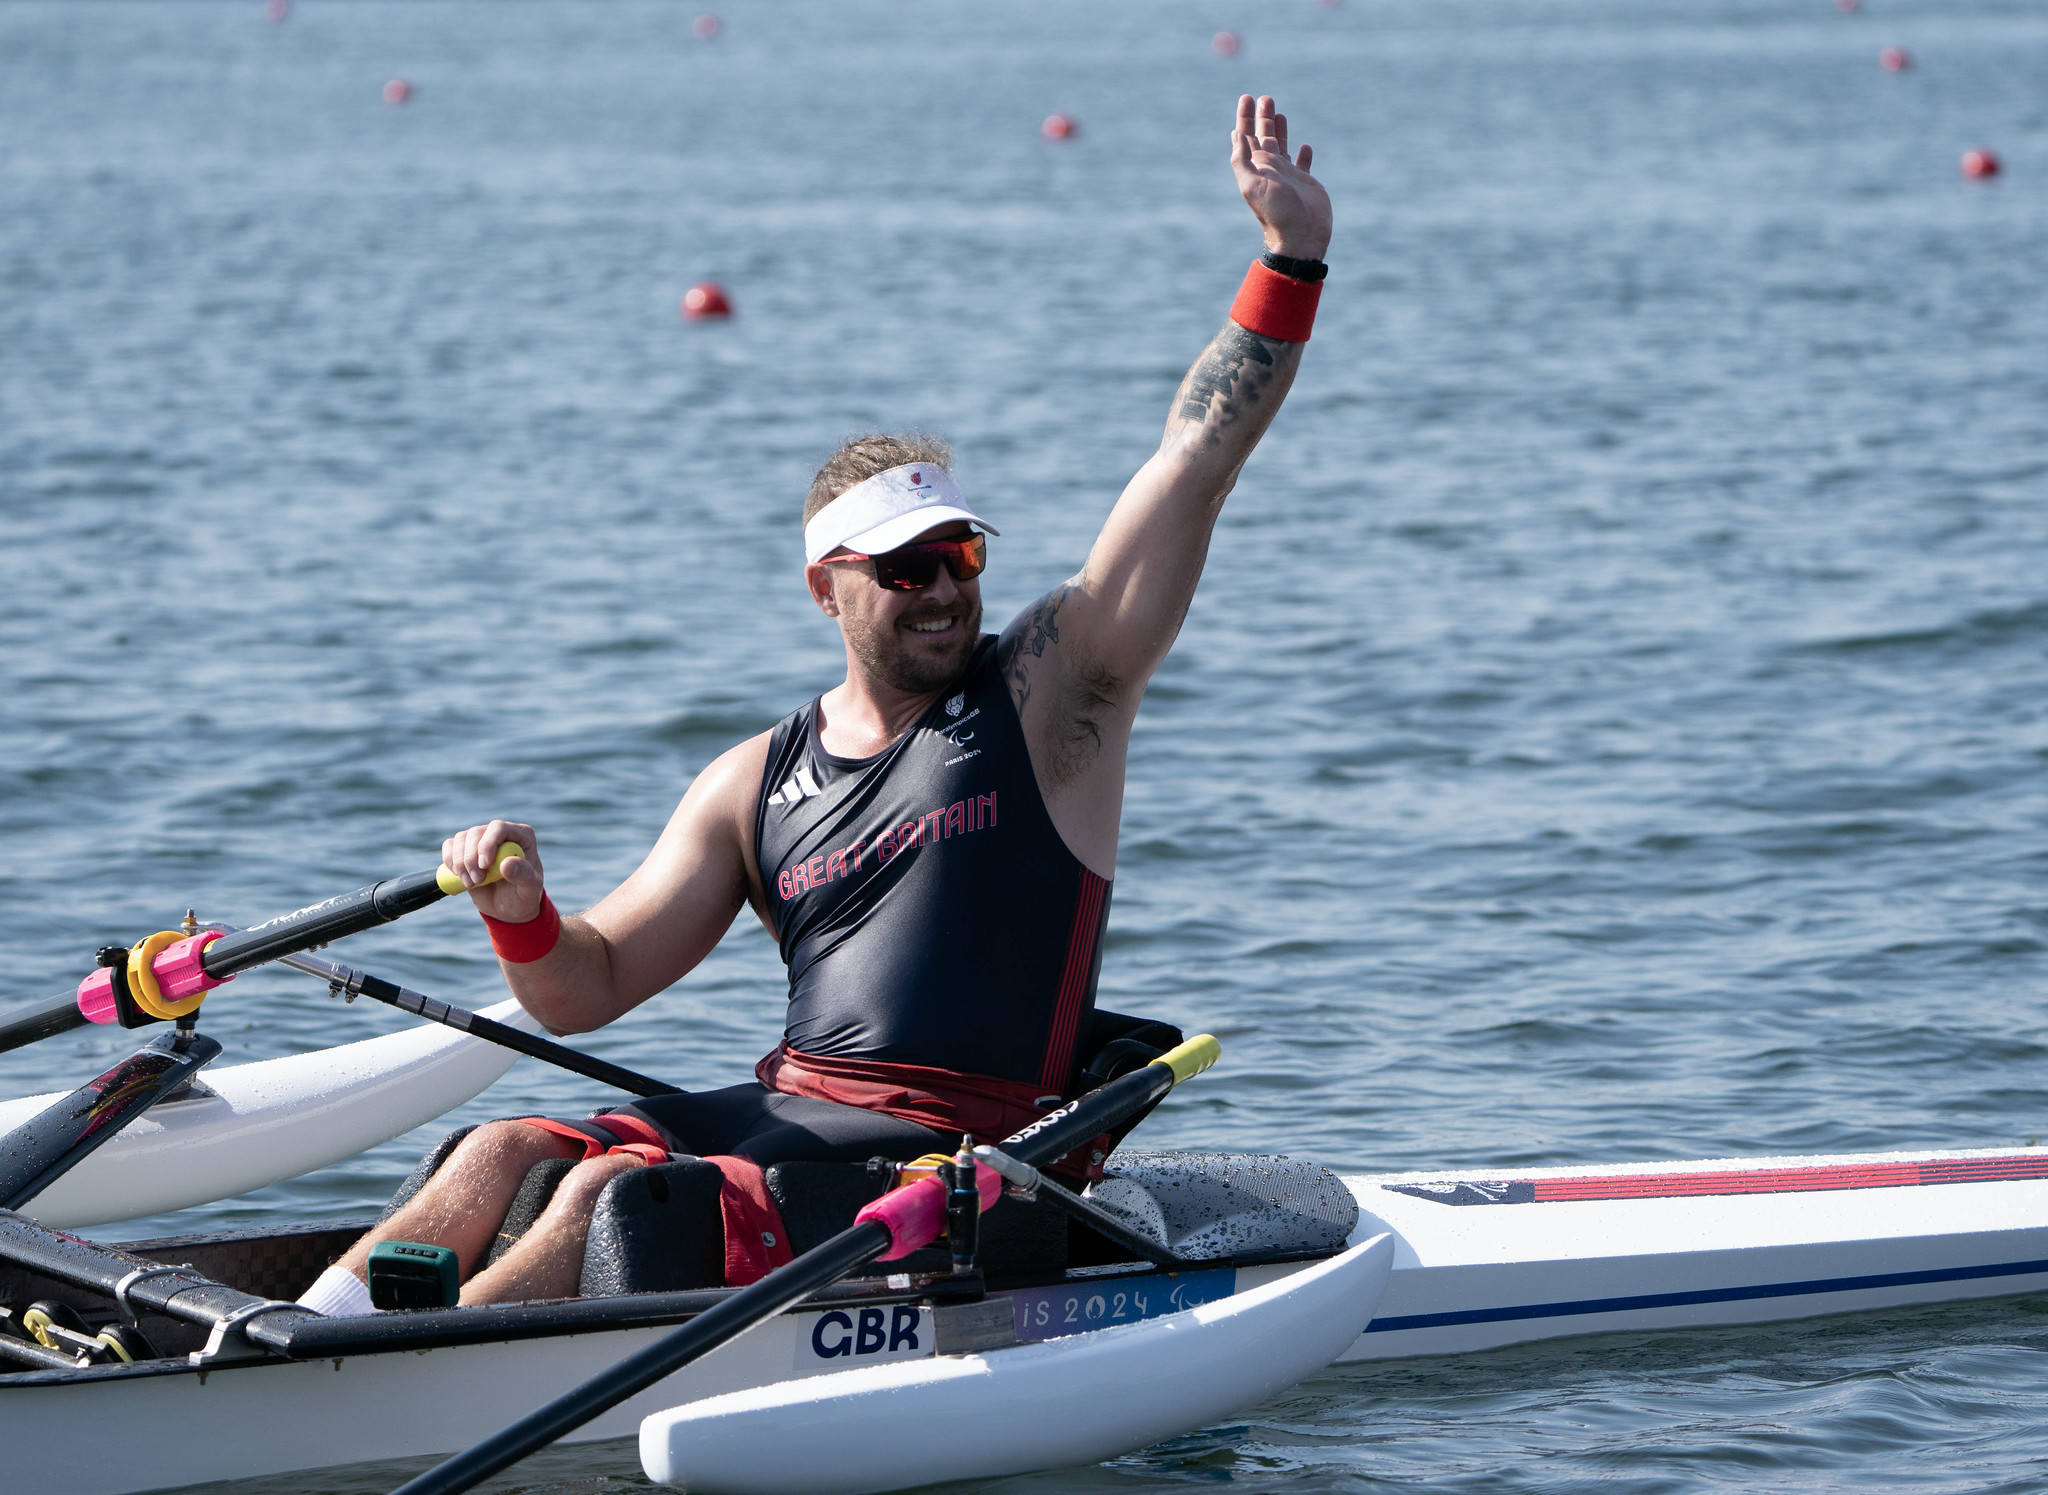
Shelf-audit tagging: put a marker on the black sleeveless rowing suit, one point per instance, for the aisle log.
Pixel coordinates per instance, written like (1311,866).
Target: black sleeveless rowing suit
(940,937)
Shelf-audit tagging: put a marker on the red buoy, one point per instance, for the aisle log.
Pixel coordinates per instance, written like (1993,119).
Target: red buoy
(397,91)
(1979,164)
(1848,7)
(1895,59)
(705,299)
(706,27)
(1225,43)
(1060,127)
(277,10)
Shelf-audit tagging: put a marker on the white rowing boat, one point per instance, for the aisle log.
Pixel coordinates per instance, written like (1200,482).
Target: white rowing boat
(250,1125)
(1480,1260)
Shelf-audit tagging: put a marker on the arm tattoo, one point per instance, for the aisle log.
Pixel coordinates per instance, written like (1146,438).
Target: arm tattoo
(1227,380)
(1027,637)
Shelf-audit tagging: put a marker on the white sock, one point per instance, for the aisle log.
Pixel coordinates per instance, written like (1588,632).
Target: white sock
(338,1293)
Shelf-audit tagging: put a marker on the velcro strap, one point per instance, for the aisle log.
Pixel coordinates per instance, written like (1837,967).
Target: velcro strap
(756,1243)
(597,1140)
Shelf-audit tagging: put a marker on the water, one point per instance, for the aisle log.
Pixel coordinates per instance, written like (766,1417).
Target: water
(1610,727)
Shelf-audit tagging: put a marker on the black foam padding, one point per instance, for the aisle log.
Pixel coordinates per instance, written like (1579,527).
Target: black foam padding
(656,1230)
(425,1169)
(535,1190)
(818,1200)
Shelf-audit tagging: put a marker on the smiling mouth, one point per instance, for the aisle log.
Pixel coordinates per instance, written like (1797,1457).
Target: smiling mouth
(932,625)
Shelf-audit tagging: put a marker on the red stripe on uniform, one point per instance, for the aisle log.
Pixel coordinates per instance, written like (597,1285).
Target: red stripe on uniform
(1794,1180)
(1066,1017)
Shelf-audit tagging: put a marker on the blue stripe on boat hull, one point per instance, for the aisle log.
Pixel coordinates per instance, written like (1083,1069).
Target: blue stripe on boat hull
(1647,1301)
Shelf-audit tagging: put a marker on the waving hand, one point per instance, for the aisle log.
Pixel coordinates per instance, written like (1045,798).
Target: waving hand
(1291,205)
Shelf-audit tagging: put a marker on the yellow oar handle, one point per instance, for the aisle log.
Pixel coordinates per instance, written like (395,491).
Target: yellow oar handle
(450,884)
(1192,1057)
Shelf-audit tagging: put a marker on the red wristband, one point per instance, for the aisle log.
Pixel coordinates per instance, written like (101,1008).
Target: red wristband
(525,943)
(1275,305)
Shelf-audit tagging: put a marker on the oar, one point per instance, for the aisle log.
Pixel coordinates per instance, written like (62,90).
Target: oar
(34,1024)
(913,1210)
(336,918)
(305,929)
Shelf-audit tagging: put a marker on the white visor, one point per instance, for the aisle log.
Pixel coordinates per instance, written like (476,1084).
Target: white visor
(890,509)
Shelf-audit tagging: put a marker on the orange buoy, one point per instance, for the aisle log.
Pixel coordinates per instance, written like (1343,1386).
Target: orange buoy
(1060,127)
(1979,164)
(1225,43)
(1895,59)
(1848,7)
(705,299)
(277,10)
(397,91)
(706,27)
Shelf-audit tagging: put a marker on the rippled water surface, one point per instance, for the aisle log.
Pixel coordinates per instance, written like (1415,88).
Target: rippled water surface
(1611,727)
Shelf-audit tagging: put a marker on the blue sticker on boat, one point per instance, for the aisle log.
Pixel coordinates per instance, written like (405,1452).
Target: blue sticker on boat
(1053,1312)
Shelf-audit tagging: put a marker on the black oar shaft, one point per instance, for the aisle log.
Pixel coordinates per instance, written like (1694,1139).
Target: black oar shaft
(1054,1136)
(321,923)
(303,929)
(33,1024)
(779,1290)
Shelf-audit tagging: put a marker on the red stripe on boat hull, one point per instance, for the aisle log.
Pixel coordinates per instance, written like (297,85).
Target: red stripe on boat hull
(1813,1179)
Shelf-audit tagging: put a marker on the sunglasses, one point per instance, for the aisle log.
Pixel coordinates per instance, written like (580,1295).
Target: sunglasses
(912,568)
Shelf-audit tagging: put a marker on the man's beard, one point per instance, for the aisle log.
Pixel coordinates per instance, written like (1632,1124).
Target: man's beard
(880,650)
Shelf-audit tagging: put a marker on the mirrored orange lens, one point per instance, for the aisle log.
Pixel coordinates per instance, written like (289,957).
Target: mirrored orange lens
(912,568)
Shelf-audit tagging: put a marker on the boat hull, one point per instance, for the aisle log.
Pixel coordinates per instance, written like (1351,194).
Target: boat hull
(130,1432)
(1792,1242)
(1682,1245)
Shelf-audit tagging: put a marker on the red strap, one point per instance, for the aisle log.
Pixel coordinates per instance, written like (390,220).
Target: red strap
(630,1130)
(522,944)
(592,1148)
(644,1142)
(756,1243)
(1275,305)
(942,1099)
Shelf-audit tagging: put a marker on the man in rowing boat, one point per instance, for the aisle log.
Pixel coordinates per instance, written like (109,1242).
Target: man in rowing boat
(931,841)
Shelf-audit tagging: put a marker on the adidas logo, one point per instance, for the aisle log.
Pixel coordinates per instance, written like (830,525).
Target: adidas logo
(801,786)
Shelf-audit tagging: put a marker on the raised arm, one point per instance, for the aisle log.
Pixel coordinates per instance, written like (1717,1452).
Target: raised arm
(1078,659)
(649,931)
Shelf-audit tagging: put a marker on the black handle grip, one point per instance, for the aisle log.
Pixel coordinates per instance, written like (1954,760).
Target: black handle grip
(321,923)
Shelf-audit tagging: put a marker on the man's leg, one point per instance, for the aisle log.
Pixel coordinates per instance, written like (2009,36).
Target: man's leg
(464,1203)
(547,1262)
